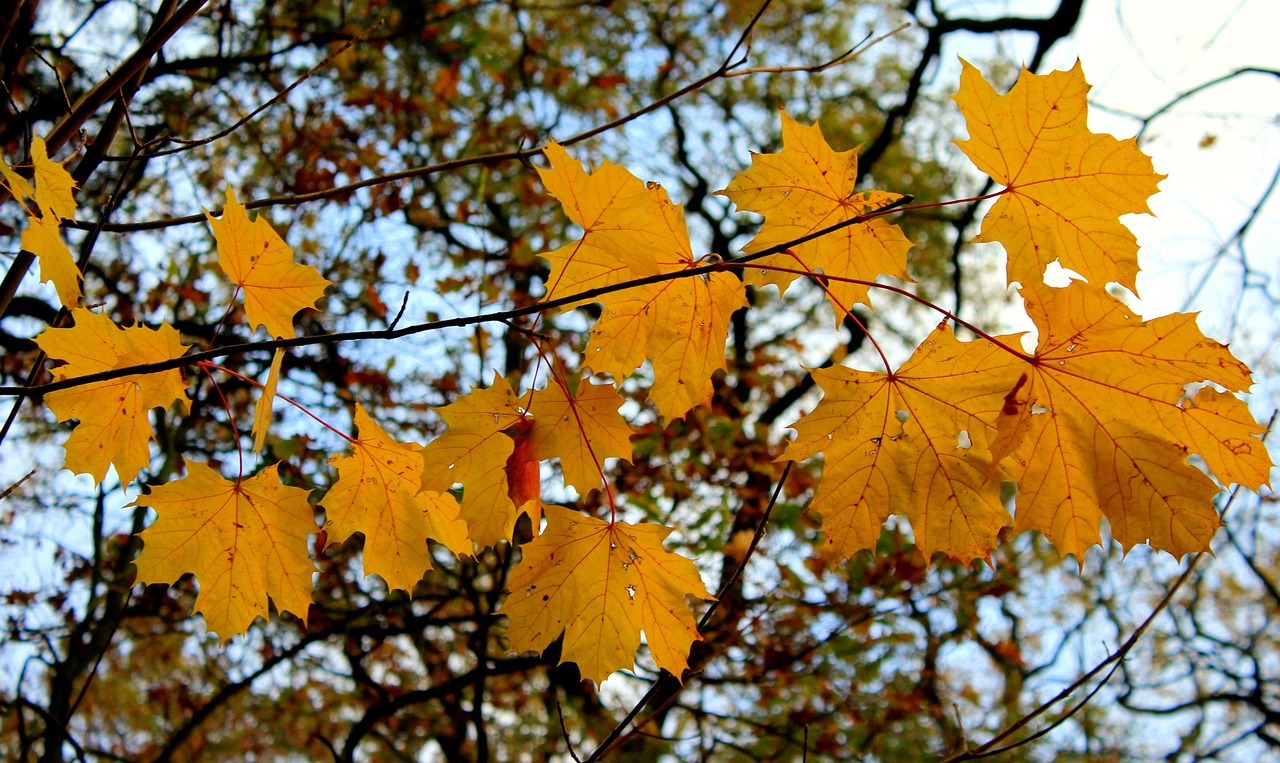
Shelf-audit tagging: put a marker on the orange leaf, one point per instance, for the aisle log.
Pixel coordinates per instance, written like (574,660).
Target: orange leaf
(43,238)
(627,227)
(244,541)
(582,431)
(473,451)
(807,187)
(680,325)
(256,259)
(262,411)
(601,584)
(631,229)
(113,427)
(54,184)
(912,443)
(1066,187)
(1101,426)
(379,494)
(524,475)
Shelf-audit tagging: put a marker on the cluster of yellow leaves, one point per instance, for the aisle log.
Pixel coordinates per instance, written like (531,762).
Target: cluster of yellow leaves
(1098,421)
(52,194)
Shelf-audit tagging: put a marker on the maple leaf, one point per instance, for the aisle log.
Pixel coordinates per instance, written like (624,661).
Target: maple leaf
(1100,423)
(19,187)
(1065,186)
(113,428)
(54,185)
(262,411)
(601,584)
(631,229)
(256,259)
(379,493)
(581,430)
(472,451)
(43,238)
(244,541)
(627,228)
(803,189)
(911,443)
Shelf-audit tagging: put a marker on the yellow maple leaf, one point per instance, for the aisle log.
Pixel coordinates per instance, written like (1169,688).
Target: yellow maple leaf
(1100,424)
(1066,187)
(43,238)
(582,431)
(244,541)
(627,228)
(256,259)
(911,443)
(113,428)
(54,185)
(262,411)
(379,493)
(631,229)
(473,451)
(19,187)
(601,584)
(804,188)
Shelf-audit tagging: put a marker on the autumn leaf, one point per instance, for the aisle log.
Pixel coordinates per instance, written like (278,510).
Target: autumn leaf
(473,451)
(601,584)
(1100,424)
(54,185)
(379,494)
(19,187)
(581,430)
(1065,187)
(627,228)
(244,541)
(631,229)
(262,411)
(114,427)
(911,443)
(524,474)
(256,259)
(803,189)
(43,238)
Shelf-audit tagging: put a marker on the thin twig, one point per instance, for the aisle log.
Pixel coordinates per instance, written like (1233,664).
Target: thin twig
(15,485)
(499,316)
(664,679)
(565,730)
(1114,658)
(192,143)
(862,47)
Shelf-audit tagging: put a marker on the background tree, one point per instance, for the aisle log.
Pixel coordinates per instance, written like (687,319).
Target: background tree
(390,144)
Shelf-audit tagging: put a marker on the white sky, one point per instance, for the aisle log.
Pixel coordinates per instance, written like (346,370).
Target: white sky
(1139,54)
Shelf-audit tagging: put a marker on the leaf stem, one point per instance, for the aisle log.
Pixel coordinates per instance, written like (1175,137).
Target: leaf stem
(905,293)
(231,418)
(206,365)
(822,280)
